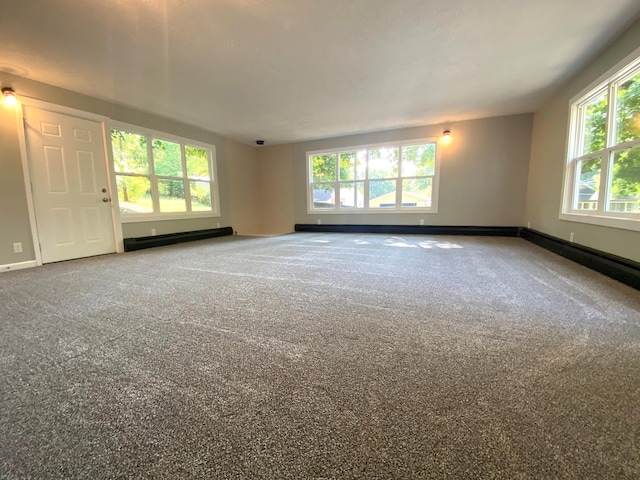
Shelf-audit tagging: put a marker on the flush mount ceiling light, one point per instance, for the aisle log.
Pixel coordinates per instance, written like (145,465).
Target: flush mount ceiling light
(9,96)
(446,136)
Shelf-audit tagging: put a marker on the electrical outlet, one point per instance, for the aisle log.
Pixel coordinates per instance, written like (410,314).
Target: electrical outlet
(528,224)
(319,222)
(571,237)
(218,225)
(153,232)
(17,247)
(422,221)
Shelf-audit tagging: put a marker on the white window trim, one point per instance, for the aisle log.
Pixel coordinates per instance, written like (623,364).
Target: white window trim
(157,215)
(606,81)
(361,211)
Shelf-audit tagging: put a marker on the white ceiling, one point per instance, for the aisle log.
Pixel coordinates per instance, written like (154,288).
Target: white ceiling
(290,70)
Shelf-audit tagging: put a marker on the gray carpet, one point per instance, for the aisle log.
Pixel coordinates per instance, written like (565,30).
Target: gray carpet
(320,356)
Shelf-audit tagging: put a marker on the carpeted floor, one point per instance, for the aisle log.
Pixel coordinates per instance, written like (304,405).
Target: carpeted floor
(320,356)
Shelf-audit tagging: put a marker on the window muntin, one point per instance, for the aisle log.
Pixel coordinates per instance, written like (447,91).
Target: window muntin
(603,170)
(389,177)
(158,177)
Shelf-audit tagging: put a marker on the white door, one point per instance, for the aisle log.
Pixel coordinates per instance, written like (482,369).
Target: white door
(69,183)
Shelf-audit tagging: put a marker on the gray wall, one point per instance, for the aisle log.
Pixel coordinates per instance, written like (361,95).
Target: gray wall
(483,173)
(276,189)
(14,218)
(548,156)
(243,183)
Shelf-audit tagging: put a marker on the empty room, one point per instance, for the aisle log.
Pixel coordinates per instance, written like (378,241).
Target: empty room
(320,239)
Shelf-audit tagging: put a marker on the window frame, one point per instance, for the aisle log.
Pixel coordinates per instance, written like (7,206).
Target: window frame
(153,178)
(607,83)
(397,208)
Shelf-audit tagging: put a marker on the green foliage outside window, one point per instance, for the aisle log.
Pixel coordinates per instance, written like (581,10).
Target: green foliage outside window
(197,162)
(379,168)
(132,166)
(626,169)
(130,156)
(324,167)
(167,158)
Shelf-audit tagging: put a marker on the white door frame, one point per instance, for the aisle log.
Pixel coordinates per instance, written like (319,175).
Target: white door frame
(51,107)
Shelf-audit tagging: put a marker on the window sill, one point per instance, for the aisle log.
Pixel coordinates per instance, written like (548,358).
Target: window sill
(603,221)
(361,211)
(163,217)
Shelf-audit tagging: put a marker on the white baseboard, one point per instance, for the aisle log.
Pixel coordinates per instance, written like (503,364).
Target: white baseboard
(18,266)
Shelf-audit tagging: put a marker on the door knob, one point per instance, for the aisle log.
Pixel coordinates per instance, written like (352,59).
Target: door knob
(105,199)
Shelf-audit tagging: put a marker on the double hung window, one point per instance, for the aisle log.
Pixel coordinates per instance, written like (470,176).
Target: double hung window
(158,176)
(602,180)
(390,177)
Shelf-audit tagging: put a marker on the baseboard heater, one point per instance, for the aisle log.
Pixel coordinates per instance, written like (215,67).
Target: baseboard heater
(131,244)
(410,229)
(621,269)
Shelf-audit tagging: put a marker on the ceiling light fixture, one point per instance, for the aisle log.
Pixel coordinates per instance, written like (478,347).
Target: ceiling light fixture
(9,96)
(446,136)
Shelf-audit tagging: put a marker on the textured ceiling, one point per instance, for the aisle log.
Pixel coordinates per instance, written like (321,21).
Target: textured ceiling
(289,70)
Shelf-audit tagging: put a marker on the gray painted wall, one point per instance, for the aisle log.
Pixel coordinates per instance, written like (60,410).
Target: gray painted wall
(276,189)
(243,182)
(14,216)
(548,156)
(483,173)
(13,207)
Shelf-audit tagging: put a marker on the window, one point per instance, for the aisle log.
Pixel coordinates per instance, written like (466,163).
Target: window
(378,178)
(602,181)
(162,176)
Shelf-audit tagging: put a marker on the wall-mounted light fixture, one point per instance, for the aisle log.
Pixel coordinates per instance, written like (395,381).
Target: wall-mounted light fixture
(446,136)
(9,96)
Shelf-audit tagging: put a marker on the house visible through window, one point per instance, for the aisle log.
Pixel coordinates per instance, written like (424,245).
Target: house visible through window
(603,169)
(390,177)
(156,176)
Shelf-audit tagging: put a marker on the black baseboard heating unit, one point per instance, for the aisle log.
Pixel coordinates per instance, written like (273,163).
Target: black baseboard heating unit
(621,269)
(410,229)
(131,244)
